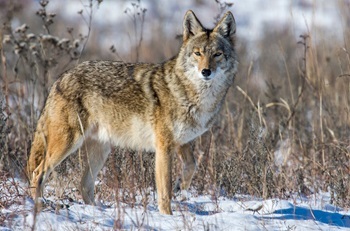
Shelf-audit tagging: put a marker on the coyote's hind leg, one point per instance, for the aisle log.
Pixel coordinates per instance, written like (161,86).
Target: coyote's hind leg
(188,167)
(96,155)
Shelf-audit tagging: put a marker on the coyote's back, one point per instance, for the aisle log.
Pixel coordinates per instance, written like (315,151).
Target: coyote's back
(153,107)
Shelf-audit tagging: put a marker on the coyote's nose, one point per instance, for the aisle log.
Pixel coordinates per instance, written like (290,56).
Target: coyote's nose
(206,72)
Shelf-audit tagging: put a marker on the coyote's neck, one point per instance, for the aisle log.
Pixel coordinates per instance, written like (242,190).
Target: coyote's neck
(199,101)
(211,93)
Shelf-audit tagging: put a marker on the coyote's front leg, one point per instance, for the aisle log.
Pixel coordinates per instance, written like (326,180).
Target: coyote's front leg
(188,167)
(164,157)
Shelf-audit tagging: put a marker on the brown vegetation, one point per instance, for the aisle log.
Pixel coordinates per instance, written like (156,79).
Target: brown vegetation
(284,129)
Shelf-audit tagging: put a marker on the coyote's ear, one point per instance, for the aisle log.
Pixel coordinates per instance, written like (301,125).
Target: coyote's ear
(227,26)
(191,25)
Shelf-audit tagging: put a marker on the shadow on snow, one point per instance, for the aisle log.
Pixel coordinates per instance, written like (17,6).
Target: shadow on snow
(301,213)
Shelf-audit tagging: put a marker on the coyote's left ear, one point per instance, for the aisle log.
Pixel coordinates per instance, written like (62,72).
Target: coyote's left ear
(227,26)
(191,25)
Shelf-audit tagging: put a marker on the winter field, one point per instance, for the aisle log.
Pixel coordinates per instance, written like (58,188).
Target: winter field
(278,158)
(192,213)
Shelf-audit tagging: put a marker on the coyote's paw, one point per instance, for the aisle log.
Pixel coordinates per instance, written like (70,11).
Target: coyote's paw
(179,193)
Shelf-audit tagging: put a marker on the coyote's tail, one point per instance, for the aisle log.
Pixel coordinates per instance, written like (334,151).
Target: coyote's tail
(38,148)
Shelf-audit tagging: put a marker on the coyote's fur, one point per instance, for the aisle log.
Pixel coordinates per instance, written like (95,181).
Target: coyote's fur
(153,107)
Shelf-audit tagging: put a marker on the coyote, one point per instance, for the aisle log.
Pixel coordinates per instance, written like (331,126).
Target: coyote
(140,106)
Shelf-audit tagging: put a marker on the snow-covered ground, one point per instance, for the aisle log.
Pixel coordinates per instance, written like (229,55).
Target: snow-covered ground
(195,213)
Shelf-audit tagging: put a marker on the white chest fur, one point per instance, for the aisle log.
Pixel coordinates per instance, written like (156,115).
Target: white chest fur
(200,116)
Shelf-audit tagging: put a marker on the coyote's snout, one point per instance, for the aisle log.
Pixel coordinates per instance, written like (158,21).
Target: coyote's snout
(153,107)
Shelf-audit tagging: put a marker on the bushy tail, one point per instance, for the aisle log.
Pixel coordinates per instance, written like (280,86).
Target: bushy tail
(38,149)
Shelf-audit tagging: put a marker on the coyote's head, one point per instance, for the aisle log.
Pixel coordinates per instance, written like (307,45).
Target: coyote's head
(207,54)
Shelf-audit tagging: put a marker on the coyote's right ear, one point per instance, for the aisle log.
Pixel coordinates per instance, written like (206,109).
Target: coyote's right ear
(227,26)
(191,25)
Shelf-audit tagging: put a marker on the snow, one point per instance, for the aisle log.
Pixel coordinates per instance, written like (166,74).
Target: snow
(196,213)
(203,212)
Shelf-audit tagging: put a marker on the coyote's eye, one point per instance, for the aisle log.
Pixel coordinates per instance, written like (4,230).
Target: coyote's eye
(197,53)
(217,54)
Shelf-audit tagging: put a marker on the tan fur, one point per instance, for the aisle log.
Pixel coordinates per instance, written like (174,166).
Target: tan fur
(153,107)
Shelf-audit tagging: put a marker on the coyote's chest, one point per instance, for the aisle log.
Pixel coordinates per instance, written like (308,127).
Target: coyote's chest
(199,117)
(186,131)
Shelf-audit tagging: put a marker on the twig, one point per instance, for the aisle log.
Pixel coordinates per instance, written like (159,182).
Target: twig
(257,108)
(88,23)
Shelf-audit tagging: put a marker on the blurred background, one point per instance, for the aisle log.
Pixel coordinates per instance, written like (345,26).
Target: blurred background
(285,126)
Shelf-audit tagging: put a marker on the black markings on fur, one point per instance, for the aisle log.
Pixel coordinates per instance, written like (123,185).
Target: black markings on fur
(189,111)
(151,84)
(40,181)
(131,70)
(58,87)
(82,112)
(229,28)
(189,27)
(208,32)
(184,93)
